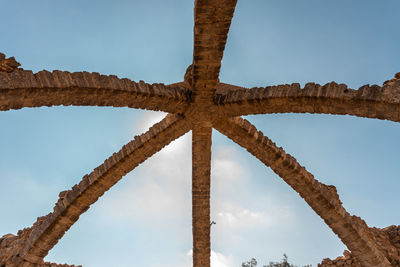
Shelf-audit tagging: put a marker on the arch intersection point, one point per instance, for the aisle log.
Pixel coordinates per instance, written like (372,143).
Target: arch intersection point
(199,103)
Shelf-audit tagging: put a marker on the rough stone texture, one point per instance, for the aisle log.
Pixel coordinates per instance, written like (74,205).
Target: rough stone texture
(32,244)
(21,88)
(221,89)
(8,64)
(199,103)
(8,245)
(201,161)
(323,199)
(346,260)
(212,20)
(372,101)
(388,239)
(211,26)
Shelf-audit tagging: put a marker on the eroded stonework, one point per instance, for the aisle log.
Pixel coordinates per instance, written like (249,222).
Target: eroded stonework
(199,103)
(10,245)
(8,64)
(388,240)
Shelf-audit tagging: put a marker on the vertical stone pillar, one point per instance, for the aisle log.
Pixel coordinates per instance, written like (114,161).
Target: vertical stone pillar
(201,166)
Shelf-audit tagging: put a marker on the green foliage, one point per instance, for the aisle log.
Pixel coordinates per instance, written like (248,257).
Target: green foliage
(284,263)
(251,263)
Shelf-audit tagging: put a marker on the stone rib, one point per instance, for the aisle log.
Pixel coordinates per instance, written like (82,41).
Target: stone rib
(201,166)
(20,88)
(46,232)
(225,88)
(212,19)
(381,102)
(323,199)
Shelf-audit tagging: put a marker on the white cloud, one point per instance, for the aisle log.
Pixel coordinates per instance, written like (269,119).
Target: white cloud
(226,168)
(217,260)
(220,260)
(238,217)
(158,196)
(160,190)
(233,215)
(147,120)
(232,207)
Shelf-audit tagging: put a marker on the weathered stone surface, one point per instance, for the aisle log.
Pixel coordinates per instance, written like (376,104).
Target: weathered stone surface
(323,199)
(211,26)
(10,244)
(8,64)
(371,101)
(212,20)
(22,88)
(201,162)
(200,103)
(388,241)
(32,244)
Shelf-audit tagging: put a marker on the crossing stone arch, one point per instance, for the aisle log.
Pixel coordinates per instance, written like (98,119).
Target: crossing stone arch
(199,103)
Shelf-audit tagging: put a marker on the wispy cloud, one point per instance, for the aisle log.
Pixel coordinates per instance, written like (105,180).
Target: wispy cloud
(147,120)
(158,195)
(217,260)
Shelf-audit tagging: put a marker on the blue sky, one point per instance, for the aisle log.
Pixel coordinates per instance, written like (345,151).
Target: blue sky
(145,220)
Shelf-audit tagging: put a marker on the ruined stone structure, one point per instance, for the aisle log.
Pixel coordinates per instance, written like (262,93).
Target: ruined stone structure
(199,103)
